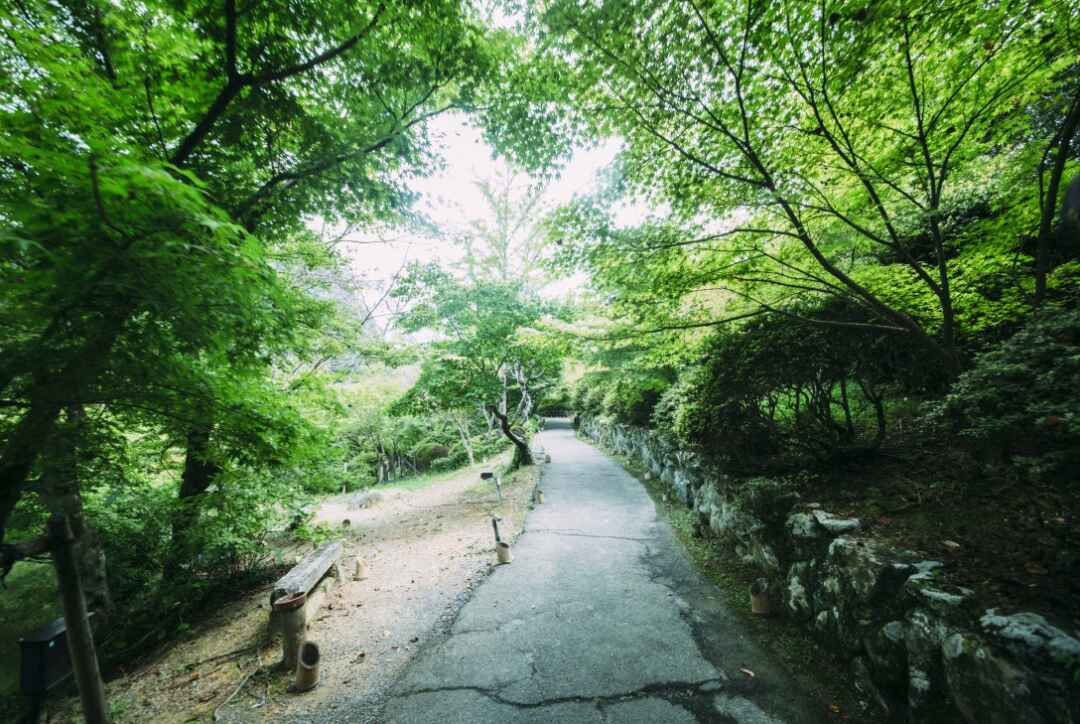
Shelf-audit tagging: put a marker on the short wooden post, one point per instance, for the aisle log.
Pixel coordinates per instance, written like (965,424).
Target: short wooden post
(498,482)
(80,638)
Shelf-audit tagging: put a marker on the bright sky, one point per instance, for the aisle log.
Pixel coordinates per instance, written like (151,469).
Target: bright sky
(450,197)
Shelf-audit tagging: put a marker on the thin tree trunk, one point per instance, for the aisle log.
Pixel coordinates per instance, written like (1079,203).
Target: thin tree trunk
(47,398)
(1049,201)
(522,454)
(879,411)
(488,417)
(848,422)
(80,637)
(465,441)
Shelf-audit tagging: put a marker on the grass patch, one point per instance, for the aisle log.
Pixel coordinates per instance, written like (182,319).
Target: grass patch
(813,667)
(528,475)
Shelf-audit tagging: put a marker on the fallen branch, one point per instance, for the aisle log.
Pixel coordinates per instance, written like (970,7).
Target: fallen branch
(241,685)
(226,656)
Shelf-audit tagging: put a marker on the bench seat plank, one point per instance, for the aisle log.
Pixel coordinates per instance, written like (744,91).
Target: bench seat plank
(308,572)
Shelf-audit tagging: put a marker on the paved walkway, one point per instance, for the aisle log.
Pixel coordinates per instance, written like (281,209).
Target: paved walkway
(600,618)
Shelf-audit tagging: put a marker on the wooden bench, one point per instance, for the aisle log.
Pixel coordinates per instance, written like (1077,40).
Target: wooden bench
(297,596)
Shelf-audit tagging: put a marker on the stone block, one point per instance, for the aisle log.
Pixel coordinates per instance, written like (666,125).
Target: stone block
(798,589)
(927,687)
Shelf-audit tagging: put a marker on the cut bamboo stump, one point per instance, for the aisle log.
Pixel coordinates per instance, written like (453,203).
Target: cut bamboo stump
(760,603)
(307,668)
(502,549)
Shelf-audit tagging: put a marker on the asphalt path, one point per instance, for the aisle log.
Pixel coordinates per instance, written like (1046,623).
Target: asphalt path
(599,618)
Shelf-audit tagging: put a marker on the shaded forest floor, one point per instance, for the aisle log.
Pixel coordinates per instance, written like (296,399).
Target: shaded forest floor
(427,542)
(1015,544)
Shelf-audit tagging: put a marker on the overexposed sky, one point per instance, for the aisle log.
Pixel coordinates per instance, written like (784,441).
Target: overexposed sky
(450,198)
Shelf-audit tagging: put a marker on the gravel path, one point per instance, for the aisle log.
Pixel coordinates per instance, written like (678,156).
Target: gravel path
(600,618)
(426,550)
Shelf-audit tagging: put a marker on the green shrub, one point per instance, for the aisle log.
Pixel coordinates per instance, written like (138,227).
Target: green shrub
(578,397)
(489,444)
(783,392)
(610,401)
(1022,398)
(595,394)
(456,458)
(426,453)
(632,397)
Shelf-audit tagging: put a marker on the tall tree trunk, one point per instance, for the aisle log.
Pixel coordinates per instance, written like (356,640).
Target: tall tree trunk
(199,473)
(525,408)
(61,493)
(502,408)
(488,417)
(849,424)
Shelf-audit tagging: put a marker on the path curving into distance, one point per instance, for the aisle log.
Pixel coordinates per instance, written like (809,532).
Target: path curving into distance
(600,618)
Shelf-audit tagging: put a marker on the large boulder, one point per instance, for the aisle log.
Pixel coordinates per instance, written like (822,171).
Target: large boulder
(989,689)
(866,685)
(1033,638)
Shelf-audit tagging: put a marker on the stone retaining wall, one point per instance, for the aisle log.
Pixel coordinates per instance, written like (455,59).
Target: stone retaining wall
(919,650)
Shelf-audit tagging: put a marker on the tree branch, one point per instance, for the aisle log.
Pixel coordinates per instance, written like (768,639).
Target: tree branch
(283,73)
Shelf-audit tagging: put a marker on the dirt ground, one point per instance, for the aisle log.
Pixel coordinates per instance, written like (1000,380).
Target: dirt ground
(425,548)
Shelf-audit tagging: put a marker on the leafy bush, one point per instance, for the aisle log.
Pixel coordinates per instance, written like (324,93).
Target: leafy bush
(449,462)
(595,393)
(426,453)
(133,524)
(578,397)
(783,392)
(489,444)
(1022,398)
(631,398)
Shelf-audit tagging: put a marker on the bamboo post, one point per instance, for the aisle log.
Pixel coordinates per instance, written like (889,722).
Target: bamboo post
(80,638)
(291,609)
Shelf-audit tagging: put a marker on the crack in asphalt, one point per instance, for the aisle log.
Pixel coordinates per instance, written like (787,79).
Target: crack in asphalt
(577,533)
(667,690)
